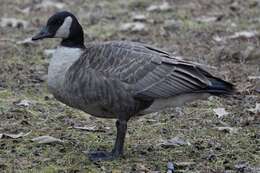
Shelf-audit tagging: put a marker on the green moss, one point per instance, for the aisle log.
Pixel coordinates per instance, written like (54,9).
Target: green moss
(5,94)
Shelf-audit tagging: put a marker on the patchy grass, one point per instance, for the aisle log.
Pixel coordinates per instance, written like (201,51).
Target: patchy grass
(210,150)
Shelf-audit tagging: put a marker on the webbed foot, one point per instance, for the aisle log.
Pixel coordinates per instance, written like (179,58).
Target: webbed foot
(118,147)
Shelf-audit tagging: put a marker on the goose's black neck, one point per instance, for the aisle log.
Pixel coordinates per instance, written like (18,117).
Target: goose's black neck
(73,42)
(76,36)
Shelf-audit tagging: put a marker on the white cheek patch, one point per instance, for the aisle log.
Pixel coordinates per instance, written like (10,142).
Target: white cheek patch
(64,29)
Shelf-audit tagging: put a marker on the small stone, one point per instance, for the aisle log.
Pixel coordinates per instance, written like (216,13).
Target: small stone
(170,167)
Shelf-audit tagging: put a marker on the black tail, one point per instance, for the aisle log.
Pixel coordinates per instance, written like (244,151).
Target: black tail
(220,87)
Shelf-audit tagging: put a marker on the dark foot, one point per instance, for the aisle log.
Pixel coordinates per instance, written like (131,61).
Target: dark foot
(102,156)
(118,147)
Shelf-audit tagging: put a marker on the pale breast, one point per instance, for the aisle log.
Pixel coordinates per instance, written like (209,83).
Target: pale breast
(62,59)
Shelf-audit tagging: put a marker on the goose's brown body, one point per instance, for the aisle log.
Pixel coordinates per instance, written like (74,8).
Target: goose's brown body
(130,78)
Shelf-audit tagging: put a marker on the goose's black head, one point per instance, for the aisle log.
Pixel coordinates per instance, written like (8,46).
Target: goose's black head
(63,25)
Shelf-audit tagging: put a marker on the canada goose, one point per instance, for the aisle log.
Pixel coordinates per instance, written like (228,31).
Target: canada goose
(120,79)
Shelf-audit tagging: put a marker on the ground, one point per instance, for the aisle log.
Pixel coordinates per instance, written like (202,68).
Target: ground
(204,31)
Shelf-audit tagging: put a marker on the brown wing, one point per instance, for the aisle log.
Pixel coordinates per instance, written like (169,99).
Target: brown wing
(145,71)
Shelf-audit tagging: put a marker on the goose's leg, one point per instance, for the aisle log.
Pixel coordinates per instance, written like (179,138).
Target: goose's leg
(121,126)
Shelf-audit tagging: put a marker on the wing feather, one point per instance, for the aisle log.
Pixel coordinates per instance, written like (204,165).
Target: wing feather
(148,72)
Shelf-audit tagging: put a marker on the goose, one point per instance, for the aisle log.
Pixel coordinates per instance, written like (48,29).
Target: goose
(120,79)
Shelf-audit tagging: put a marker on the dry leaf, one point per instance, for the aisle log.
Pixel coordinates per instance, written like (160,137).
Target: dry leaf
(141,168)
(184,164)
(24,10)
(256,109)
(218,38)
(27,41)
(244,34)
(207,19)
(220,112)
(163,7)
(24,103)
(253,77)
(46,140)
(13,136)
(45,4)
(227,129)
(176,141)
(133,26)
(89,128)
